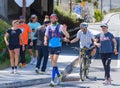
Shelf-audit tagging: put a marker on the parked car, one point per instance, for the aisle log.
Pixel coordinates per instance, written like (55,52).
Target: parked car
(113,21)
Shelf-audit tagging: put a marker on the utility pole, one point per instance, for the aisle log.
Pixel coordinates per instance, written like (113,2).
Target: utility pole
(24,9)
(70,2)
(110,4)
(101,6)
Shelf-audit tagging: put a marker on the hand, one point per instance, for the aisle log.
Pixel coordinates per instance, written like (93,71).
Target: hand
(66,39)
(23,47)
(115,51)
(98,45)
(45,43)
(31,43)
(7,43)
(64,27)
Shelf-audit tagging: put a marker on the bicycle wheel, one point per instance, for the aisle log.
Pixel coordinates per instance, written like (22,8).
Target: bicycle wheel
(87,67)
(82,69)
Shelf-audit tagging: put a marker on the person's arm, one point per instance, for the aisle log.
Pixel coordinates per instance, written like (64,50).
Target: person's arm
(115,45)
(5,38)
(74,40)
(45,40)
(64,30)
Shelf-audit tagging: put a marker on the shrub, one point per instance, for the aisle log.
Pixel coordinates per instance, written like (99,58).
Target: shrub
(98,15)
(3,50)
(67,18)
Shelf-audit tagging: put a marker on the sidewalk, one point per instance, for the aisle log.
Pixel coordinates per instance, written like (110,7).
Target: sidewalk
(27,76)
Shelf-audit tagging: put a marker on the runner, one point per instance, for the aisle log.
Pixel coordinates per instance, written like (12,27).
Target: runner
(53,34)
(25,32)
(33,26)
(14,35)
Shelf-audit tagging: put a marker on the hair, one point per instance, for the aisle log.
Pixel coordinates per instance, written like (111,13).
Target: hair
(14,21)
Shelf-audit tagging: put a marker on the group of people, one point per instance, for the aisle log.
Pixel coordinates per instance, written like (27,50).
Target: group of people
(46,40)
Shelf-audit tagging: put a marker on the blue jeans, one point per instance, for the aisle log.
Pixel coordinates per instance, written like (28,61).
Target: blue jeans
(42,54)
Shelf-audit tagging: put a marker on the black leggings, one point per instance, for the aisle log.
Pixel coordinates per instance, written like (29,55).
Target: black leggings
(106,60)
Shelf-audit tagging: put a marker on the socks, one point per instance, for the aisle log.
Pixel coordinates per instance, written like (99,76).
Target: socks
(14,67)
(54,72)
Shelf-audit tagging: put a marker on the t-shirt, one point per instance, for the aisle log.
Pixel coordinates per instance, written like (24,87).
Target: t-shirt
(40,33)
(106,42)
(85,38)
(14,36)
(33,27)
(54,41)
(25,32)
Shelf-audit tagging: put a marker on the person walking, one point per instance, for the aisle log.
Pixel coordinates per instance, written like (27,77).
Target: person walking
(15,35)
(42,50)
(33,26)
(53,34)
(25,32)
(104,42)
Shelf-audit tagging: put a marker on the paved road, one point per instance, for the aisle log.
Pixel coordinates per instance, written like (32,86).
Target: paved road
(95,71)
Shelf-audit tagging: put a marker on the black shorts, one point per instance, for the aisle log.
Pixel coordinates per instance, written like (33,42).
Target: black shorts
(56,50)
(12,47)
(34,44)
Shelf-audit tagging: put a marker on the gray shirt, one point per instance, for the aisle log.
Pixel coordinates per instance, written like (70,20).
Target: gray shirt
(40,33)
(85,38)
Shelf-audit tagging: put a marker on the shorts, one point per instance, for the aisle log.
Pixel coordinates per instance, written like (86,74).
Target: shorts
(12,47)
(34,44)
(55,50)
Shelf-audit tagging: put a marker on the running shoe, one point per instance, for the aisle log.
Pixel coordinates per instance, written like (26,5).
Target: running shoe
(15,71)
(52,83)
(42,72)
(37,70)
(59,80)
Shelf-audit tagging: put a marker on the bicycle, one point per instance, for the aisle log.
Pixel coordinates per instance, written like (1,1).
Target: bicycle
(85,62)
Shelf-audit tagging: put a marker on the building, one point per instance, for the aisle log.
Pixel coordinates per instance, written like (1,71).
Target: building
(10,10)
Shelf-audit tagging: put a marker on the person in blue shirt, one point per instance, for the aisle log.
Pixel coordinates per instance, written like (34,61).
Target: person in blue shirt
(33,26)
(104,42)
(54,34)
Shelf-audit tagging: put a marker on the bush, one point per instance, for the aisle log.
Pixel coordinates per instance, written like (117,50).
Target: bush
(67,18)
(98,15)
(3,50)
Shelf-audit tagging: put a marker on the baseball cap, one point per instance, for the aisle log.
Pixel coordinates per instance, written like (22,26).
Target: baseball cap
(32,16)
(53,15)
(104,25)
(22,17)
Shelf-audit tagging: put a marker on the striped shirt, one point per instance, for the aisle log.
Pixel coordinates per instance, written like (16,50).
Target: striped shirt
(85,38)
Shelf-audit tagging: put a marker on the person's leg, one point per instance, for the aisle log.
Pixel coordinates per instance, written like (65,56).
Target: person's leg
(16,51)
(45,60)
(11,52)
(103,58)
(107,65)
(93,52)
(22,55)
(40,55)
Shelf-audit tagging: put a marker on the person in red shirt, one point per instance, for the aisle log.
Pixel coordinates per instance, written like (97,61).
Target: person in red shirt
(25,32)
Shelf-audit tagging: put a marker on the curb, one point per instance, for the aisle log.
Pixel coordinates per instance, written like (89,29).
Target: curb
(25,83)
(65,72)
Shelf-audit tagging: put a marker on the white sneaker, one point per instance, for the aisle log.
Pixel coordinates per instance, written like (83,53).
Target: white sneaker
(12,72)
(32,60)
(35,62)
(52,83)
(59,80)
(15,71)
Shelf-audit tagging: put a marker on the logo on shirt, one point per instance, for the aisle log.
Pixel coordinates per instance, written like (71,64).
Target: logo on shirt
(104,38)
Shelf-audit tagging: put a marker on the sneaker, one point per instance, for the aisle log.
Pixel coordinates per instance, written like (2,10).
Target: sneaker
(32,61)
(24,65)
(35,62)
(37,70)
(52,84)
(20,65)
(59,80)
(42,72)
(15,71)
(12,72)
